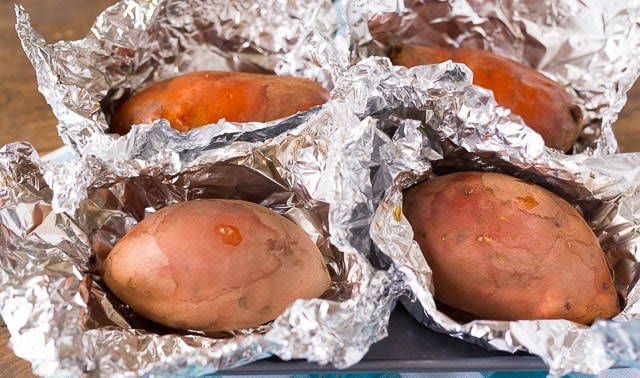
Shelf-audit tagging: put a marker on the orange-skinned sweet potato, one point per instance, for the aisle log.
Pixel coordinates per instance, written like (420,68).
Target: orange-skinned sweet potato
(504,249)
(214,265)
(543,104)
(204,97)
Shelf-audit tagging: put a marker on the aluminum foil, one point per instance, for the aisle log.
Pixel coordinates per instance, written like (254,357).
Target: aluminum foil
(588,46)
(337,170)
(57,218)
(445,124)
(137,42)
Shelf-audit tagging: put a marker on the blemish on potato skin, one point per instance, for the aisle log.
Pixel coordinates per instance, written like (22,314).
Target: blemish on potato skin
(265,310)
(230,234)
(243,303)
(567,305)
(527,202)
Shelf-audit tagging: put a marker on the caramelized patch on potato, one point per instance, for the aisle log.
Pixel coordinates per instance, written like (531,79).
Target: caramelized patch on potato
(543,104)
(200,98)
(504,249)
(214,265)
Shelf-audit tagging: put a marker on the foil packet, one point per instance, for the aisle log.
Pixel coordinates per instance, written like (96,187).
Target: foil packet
(446,124)
(135,43)
(587,46)
(55,216)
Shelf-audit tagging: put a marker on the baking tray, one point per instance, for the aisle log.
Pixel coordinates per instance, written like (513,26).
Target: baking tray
(409,347)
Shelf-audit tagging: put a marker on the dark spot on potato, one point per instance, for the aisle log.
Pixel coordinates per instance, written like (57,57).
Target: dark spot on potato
(266,310)
(242,303)
(272,245)
(518,76)
(567,305)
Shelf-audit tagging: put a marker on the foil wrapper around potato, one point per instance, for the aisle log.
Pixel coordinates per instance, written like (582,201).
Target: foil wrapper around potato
(57,216)
(135,43)
(587,46)
(456,126)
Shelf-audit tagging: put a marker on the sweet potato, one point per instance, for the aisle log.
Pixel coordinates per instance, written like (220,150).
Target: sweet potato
(214,265)
(200,98)
(544,105)
(504,249)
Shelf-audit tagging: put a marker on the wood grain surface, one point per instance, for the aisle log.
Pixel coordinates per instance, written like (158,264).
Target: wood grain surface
(25,116)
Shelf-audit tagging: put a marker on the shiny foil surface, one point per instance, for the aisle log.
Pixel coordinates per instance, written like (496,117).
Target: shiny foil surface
(337,170)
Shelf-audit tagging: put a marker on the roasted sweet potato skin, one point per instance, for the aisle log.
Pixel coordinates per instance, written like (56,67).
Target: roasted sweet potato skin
(544,105)
(214,265)
(504,249)
(199,98)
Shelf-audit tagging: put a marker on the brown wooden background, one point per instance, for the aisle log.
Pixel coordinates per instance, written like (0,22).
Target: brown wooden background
(25,116)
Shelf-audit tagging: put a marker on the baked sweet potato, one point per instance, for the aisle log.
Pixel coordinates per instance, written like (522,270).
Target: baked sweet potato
(544,105)
(200,98)
(214,265)
(504,249)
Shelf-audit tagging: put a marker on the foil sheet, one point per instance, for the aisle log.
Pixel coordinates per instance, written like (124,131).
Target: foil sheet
(137,42)
(588,46)
(337,170)
(448,125)
(58,217)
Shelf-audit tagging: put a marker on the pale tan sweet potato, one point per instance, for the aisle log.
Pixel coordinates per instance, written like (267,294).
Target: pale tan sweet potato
(214,265)
(544,105)
(200,98)
(504,249)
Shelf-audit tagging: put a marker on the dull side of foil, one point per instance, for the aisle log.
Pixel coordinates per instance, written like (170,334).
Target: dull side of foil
(135,43)
(587,46)
(447,137)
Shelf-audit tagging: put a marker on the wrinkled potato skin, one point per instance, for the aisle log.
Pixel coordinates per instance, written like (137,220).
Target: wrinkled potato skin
(200,98)
(543,104)
(504,249)
(186,267)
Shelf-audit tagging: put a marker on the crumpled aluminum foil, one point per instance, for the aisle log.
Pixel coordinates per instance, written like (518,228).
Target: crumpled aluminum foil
(446,124)
(384,128)
(588,46)
(57,216)
(137,42)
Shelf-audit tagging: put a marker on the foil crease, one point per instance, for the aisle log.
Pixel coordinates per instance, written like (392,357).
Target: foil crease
(588,46)
(135,43)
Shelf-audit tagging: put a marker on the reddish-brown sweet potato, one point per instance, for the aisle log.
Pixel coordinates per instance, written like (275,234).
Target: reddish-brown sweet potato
(543,104)
(214,265)
(200,98)
(504,249)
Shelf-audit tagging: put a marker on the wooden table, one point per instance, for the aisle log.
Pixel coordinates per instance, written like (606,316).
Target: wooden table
(25,116)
